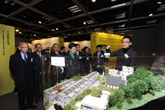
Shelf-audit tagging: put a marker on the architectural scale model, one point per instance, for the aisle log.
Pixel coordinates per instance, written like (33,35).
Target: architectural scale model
(95,103)
(64,92)
(118,77)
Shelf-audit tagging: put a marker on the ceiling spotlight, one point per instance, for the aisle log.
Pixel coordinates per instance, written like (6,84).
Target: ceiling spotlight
(12,4)
(17,30)
(34,34)
(84,23)
(20,32)
(39,22)
(52,29)
(151,14)
(56,29)
(6,1)
(159,3)
(93,0)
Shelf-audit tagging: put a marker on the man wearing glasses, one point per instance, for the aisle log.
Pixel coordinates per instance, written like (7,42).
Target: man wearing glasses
(20,65)
(126,55)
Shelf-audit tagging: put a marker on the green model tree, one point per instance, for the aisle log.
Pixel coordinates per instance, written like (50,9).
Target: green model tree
(112,102)
(72,102)
(119,95)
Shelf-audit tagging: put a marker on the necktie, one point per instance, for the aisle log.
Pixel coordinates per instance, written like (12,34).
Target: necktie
(25,57)
(39,56)
(98,58)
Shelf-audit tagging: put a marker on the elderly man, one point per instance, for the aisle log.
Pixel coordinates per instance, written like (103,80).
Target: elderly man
(20,66)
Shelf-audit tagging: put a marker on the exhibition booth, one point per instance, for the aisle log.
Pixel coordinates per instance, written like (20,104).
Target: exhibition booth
(128,88)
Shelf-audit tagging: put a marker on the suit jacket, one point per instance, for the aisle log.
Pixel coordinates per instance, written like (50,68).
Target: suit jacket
(55,70)
(72,66)
(101,59)
(62,54)
(122,60)
(87,60)
(80,57)
(37,63)
(16,66)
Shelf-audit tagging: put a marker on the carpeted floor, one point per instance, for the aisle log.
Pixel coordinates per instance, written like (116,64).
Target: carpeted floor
(10,102)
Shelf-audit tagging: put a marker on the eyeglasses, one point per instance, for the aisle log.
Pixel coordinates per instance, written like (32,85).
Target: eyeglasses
(125,42)
(24,47)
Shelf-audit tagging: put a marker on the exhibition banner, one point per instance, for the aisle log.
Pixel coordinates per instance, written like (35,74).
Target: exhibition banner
(60,42)
(7,48)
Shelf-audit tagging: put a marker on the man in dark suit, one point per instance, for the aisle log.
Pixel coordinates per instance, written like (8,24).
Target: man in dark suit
(55,72)
(80,56)
(98,60)
(37,67)
(125,56)
(63,53)
(20,66)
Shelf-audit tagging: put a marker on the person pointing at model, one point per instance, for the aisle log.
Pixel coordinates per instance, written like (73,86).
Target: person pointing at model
(126,56)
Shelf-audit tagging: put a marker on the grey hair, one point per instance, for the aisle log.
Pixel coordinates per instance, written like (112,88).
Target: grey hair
(20,44)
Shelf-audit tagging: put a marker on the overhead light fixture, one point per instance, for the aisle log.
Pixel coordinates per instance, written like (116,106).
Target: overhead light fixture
(17,30)
(90,21)
(93,0)
(12,4)
(84,23)
(56,29)
(20,32)
(151,14)
(66,26)
(6,1)
(39,22)
(152,21)
(161,8)
(34,34)
(74,9)
(159,3)
(113,0)
(119,16)
(122,25)
(52,29)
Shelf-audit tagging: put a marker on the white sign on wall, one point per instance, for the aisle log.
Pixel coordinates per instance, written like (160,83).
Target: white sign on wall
(58,61)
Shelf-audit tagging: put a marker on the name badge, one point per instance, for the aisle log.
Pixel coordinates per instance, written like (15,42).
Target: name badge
(87,58)
(126,55)
(31,59)
(45,59)
(102,55)
(80,57)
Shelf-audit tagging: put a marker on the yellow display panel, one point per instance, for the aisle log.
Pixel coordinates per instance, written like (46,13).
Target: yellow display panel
(7,48)
(105,39)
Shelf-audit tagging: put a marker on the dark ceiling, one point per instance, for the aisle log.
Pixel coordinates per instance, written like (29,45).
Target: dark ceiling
(65,18)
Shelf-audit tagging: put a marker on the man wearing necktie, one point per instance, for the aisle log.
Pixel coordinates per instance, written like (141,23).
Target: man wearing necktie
(20,66)
(98,60)
(55,71)
(37,67)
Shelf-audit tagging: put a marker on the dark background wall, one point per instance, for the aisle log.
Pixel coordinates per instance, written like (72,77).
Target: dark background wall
(19,39)
(159,38)
(142,40)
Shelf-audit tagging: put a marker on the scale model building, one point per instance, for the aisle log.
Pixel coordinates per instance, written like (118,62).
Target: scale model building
(123,74)
(63,93)
(118,77)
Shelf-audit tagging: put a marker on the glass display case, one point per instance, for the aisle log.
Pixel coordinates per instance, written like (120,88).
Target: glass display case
(111,89)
